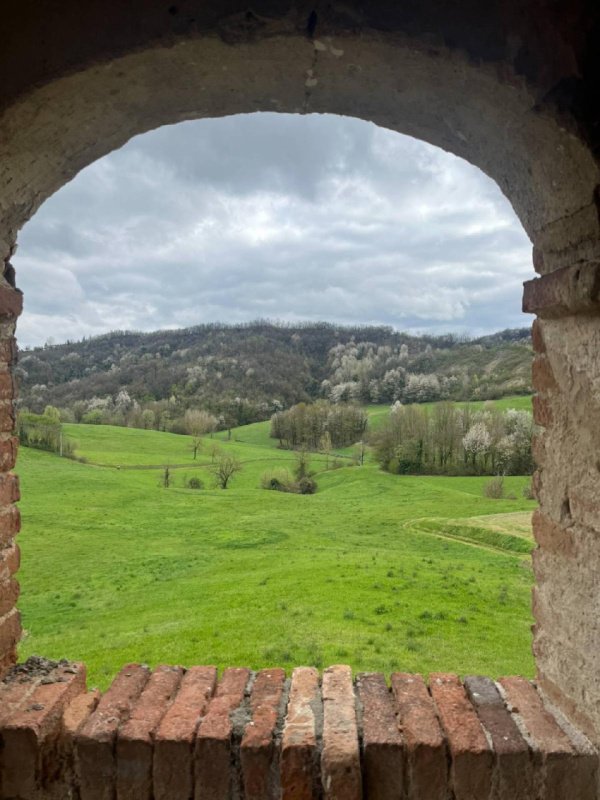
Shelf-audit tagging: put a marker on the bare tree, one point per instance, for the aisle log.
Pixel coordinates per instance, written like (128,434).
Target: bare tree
(326,446)
(213,450)
(224,468)
(197,424)
(359,452)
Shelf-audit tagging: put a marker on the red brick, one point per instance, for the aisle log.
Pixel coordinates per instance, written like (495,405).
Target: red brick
(513,774)
(542,411)
(542,376)
(258,755)
(537,337)
(8,453)
(10,524)
(299,772)
(340,758)
(78,712)
(31,734)
(562,771)
(212,757)
(7,416)
(11,302)
(174,740)
(8,350)
(7,385)
(9,488)
(8,660)
(10,561)
(9,594)
(13,695)
(383,745)
(135,738)
(95,741)
(471,757)
(74,718)
(418,722)
(10,631)
(570,290)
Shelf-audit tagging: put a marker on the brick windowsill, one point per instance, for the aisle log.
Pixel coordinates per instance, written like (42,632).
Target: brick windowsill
(176,734)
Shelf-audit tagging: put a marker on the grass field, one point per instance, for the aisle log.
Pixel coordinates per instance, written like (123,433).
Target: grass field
(379,571)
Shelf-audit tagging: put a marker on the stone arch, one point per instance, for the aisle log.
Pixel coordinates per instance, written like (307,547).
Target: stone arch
(481,113)
(509,88)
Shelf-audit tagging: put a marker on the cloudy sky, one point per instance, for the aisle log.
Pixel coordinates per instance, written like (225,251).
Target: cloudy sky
(273,216)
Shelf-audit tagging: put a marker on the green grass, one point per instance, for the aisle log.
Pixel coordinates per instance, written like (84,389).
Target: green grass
(379,571)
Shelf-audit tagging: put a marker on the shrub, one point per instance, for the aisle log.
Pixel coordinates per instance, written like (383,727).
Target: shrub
(494,488)
(278,480)
(195,483)
(302,465)
(92,417)
(307,486)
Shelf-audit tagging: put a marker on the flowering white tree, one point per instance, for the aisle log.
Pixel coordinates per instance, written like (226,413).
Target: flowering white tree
(345,392)
(476,443)
(422,388)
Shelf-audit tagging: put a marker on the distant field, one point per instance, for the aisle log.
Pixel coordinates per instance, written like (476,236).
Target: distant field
(379,571)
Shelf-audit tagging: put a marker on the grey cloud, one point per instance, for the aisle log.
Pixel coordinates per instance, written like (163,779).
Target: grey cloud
(289,217)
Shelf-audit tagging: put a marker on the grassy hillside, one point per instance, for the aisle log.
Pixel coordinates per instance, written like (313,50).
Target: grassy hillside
(379,571)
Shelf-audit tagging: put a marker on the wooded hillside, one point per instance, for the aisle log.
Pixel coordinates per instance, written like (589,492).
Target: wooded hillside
(244,373)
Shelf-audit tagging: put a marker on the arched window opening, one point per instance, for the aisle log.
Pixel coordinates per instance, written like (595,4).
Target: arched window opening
(413,559)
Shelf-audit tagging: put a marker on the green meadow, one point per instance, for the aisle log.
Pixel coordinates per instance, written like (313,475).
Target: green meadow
(379,571)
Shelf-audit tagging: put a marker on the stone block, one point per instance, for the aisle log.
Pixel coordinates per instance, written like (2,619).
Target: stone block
(174,740)
(340,757)
(472,759)
(95,741)
(258,754)
(298,763)
(383,749)
(214,778)
(427,771)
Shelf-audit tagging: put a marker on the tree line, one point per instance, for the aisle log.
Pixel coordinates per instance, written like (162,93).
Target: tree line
(319,426)
(454,440)
(44,432)
(243,374)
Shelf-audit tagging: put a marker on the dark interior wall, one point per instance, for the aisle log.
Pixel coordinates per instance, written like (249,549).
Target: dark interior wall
(553,45)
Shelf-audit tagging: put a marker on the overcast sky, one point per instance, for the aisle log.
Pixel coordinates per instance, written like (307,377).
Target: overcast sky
(273,216)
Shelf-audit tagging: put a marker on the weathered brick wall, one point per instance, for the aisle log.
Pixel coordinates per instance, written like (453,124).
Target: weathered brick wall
(10,627)
(566,376)
(176,734)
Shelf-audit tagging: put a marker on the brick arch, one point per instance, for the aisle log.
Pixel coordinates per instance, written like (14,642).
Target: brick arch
(485,113)
(509,87)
